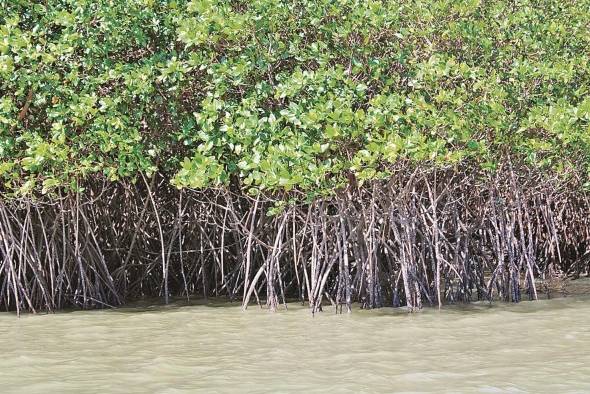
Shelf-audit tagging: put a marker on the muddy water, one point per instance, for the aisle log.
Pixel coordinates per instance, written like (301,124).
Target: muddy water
(534,347)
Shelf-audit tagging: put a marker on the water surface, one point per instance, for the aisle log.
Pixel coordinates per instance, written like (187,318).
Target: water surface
(541,346)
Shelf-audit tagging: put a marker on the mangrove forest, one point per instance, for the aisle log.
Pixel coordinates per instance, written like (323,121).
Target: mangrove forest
(358,154)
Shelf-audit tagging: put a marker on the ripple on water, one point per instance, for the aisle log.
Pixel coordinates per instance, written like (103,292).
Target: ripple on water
(533,347)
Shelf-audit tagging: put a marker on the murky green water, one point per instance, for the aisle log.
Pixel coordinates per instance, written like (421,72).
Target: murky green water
(535,347)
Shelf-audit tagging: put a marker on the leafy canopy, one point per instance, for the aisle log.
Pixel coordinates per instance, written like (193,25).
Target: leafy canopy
(286,94)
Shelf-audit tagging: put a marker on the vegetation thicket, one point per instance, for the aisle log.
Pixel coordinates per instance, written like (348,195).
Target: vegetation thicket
(386,153)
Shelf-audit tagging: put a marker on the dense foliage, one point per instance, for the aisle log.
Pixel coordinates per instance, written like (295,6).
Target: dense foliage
(280,95)
(431,151)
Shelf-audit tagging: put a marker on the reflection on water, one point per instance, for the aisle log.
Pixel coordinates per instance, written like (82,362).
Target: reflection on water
(539,346)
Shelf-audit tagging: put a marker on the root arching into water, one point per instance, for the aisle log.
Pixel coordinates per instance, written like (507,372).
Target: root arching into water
(422,237)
